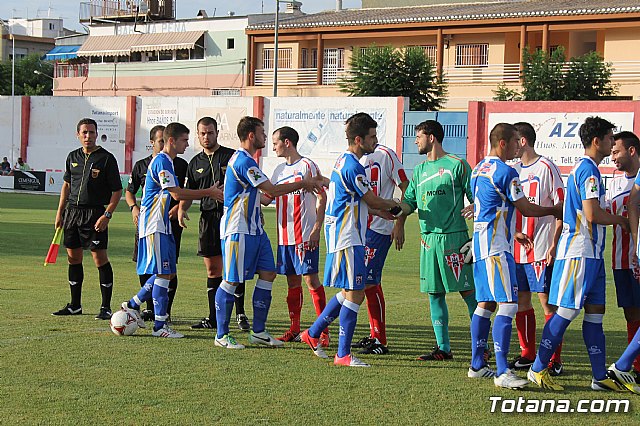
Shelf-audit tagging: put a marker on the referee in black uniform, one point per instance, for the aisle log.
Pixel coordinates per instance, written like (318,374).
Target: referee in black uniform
(136,180)
(206,169)
(91,181)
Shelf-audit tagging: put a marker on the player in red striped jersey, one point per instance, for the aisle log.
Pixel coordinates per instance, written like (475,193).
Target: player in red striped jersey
(542,184)
(624,154)
(300,220)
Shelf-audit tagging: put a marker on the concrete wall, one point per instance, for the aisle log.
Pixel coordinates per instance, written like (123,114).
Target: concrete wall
(45,127)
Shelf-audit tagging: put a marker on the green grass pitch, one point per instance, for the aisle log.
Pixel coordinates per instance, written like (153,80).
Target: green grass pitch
(75,371)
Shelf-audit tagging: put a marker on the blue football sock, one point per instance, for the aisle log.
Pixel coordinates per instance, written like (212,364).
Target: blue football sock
(551,337)
(594,340)
(328,315)
(224,305)
(261,304)
(348,320)
(480,325)
(143,295)
(633,350)
(502,326)
(160,293)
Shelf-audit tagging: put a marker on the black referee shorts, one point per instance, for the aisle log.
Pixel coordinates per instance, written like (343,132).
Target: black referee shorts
(209,234)
(176,229)
(79,224)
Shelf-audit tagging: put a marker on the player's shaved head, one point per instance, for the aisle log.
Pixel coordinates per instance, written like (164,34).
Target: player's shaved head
(287,132)
(154,130)
(207,121)
(526,131)
(86,121)
(628,139)
(501,131)
(174,130)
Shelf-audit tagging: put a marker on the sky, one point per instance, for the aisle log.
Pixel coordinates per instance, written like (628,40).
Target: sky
(69,9)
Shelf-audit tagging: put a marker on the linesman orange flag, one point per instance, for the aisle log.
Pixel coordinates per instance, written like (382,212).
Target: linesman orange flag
(52,255)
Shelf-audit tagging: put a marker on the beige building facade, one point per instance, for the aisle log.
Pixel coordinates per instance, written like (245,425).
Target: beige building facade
(475,46)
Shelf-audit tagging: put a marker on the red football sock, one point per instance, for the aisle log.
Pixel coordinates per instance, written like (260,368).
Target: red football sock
(632,329)
(376,309)
(294,302)
(556,355)
(526,325)
(319,301)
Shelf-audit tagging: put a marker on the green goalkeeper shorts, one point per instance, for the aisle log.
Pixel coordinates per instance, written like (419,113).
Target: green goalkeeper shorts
(442,267)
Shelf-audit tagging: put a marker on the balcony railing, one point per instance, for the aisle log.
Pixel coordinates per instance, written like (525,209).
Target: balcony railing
(70,70)
(493,73)
(299,76)
(622,71)
(127,8)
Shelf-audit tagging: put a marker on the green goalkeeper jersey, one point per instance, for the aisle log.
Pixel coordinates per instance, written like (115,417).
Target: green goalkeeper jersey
(437,189)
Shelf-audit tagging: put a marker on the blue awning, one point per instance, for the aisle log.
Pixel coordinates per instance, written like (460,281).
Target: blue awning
(60,53)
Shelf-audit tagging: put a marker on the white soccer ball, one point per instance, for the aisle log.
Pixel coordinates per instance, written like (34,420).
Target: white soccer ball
(467,251)
(123,323)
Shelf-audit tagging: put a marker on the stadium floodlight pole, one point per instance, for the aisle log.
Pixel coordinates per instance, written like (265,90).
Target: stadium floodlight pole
(275,44)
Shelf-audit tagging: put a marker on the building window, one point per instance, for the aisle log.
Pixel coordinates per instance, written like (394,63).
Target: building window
(284,58)
(95,59)
(309,58)
(231,43)
(472,55)
(109,59)
(136,57)
(430,51)
(166,55)
(182,55)
(51,26)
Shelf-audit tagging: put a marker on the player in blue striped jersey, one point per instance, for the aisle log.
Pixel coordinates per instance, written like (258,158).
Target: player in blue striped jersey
(497,193)
(345,229)
(157,248)
(579,278)
(246,248)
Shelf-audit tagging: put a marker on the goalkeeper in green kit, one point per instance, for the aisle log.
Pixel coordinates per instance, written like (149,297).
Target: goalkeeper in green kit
(437,189)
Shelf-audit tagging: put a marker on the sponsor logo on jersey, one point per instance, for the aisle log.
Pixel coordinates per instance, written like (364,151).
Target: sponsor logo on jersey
(592,186)
(256,175)
(200,170)
(455,262)
(74,164)
(358,279)
(369,254)
(531,177)
(163,178)
(517,189)
(435,192)
(95,173)
(539,268)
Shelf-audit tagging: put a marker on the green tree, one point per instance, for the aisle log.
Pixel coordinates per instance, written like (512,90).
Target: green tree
(26,81)
(549,77)
(387,71)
